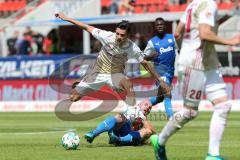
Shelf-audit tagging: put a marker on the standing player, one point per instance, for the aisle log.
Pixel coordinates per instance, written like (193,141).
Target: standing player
(110,64)
(161,50)
(198,70)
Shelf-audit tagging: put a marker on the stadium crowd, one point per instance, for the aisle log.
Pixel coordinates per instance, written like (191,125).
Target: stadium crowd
(34,43)
(129,7)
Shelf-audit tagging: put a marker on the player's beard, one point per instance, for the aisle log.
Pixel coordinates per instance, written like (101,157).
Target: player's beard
(118,41)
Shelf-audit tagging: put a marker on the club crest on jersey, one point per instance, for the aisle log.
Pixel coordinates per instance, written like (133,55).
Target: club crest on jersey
(98,31)
(164,50)
(170,40)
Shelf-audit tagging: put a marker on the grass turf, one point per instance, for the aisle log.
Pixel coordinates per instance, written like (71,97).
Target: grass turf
(36,136)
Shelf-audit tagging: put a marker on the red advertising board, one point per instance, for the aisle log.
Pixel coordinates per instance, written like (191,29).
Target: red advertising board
(40,90)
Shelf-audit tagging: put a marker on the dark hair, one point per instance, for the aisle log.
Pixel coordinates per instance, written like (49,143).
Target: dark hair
(159,19)
(124,25)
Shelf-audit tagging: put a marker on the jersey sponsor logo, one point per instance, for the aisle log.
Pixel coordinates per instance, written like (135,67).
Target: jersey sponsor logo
(157,44)
(170,41)
(98,31)
(164,50)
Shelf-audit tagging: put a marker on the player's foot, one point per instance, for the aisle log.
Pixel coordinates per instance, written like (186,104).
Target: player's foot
(113,139)
(209,157)
(159,151)
(89,136)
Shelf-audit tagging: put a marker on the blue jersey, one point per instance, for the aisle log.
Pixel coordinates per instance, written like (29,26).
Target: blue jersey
(164,61)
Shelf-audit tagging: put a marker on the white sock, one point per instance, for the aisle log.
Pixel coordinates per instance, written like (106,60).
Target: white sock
(178,120)
(217,125)
(169,129)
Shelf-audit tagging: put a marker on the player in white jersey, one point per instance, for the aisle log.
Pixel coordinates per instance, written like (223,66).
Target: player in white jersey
(116,50)
(198,72)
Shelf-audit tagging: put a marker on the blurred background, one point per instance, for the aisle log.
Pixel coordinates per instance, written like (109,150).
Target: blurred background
(34,45)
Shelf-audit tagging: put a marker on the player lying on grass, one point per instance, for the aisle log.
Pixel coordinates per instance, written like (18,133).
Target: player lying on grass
(127,128)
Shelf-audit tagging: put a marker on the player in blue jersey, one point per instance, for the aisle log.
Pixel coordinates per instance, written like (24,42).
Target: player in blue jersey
(161,51)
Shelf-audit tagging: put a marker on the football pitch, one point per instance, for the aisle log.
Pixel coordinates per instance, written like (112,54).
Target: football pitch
(36,136)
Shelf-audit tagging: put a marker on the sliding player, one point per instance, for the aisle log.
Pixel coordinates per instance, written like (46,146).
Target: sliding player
(128,128)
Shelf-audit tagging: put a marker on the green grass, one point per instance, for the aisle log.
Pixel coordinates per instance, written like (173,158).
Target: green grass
(36,136)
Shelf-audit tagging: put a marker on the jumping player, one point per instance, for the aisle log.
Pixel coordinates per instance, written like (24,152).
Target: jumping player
(110,64)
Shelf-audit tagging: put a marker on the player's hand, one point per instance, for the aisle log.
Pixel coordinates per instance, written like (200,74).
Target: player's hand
(235,40)
(177,35)
(61,16)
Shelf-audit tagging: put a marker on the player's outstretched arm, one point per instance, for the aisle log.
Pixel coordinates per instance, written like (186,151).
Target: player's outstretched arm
(83,26)
(207,34)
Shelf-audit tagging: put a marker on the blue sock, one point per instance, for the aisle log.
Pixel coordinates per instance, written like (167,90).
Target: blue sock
(107,125)
(153,100)
(133,138)
(168,107)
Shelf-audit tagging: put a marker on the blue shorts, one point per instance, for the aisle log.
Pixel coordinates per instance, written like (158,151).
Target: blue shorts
(124,130)
(167,78)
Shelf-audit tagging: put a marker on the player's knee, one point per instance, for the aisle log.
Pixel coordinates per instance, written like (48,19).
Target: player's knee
(160,98)
(168,94)
(163,93)
(127,84)
(223,109)
(190,113)
(75,96)
(183,116)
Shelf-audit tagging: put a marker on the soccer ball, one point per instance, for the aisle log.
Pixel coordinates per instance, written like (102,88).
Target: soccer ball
(70,141)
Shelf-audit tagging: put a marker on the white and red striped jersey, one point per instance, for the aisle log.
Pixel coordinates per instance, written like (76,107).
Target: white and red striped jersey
(195,52)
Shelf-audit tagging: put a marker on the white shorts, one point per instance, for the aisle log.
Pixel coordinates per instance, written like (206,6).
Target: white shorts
(197,82)
(95,81)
